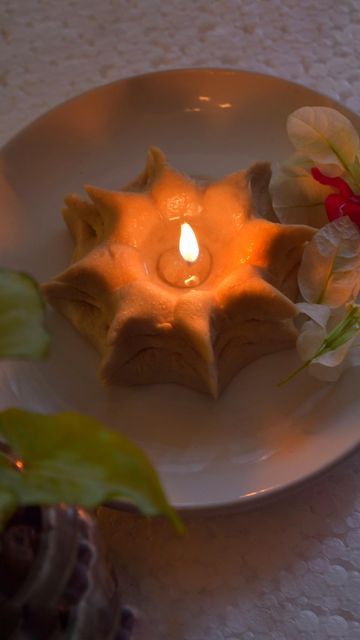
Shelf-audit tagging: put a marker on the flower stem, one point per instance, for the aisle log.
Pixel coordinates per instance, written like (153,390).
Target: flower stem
(343,332)
(293,373)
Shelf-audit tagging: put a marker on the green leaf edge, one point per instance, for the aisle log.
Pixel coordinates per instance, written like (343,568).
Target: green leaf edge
(43,351)
(10,500)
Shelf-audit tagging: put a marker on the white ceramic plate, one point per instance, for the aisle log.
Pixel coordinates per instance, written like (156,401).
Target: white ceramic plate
(257,439)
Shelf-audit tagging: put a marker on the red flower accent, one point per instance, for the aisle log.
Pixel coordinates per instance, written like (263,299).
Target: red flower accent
(343,203)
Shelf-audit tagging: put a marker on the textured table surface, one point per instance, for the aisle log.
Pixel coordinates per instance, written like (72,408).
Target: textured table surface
(290,570)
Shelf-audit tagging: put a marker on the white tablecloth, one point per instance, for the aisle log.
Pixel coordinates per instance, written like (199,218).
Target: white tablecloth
(291,569)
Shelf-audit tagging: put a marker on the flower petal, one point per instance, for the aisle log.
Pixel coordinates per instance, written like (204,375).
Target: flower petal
(332,181)
(324,135)
(336,356)
(309,340)
(330,266)
(327,374)
(330,366)
(298,198)
(320,313)
(353,358)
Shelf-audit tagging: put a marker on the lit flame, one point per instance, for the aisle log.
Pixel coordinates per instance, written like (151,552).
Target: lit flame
(188,245)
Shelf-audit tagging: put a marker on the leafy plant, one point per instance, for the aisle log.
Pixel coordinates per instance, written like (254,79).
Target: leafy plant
(69,457)
(72,458)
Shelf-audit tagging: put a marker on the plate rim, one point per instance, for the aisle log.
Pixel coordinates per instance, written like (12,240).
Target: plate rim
(162,72)
(246,501)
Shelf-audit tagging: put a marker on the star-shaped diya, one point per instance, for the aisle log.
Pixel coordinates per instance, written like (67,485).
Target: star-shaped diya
(180,281)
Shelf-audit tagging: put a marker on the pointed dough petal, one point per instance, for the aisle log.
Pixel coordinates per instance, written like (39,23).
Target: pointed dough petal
(155,164)
(148,331)
(193,318)
(84,223)
(246,294)
(272,246)
(258,176)
(106,269)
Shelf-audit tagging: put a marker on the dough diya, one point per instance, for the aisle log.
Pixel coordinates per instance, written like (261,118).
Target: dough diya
(174,280)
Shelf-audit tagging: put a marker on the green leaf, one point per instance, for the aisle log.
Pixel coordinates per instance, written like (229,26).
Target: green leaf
(8,501)
(324,135)
(72,458)
(22,332)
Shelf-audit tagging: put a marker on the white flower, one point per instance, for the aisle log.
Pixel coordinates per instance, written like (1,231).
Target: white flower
(324,138)
(329,342)
(329,273)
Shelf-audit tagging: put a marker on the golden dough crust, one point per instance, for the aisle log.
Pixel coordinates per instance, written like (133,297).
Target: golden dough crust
(149,332)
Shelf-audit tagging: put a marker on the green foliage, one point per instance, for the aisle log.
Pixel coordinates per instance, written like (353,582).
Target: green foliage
(72,458)
(22,331)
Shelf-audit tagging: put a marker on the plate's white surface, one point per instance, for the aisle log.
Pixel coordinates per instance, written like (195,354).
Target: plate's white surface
(257,438)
